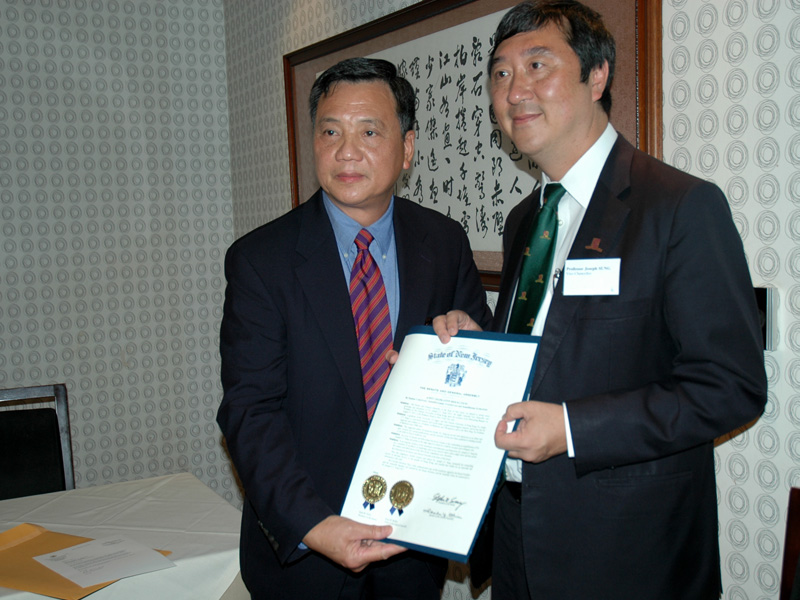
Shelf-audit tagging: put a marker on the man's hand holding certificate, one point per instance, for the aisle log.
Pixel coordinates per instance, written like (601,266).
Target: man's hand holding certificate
(429,464)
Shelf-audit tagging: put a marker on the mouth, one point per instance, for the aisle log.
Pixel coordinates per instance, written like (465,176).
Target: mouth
(349,177)
(524,119)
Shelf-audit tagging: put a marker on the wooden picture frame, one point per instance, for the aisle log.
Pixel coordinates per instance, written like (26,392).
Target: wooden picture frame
(637,89)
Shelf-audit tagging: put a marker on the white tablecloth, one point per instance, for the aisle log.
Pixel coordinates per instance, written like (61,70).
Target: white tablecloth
(175,512)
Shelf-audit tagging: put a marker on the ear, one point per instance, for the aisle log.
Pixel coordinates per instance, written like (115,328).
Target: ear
(597,80)
(408,148)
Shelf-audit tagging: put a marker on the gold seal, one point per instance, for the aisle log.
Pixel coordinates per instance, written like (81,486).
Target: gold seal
(374,489)
(401,495)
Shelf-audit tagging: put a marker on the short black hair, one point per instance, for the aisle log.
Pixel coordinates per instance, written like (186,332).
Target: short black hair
(582,27)
(355,70)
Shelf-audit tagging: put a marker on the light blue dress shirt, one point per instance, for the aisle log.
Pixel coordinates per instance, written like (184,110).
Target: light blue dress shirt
(382,249)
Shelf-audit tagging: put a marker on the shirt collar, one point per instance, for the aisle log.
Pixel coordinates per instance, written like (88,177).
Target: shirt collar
(581,179)
(346,228)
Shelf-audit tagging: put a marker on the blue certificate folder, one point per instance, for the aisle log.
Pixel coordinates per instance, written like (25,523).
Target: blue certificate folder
(429,466)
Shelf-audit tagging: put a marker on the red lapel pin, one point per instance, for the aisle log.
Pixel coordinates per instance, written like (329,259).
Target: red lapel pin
(595,245)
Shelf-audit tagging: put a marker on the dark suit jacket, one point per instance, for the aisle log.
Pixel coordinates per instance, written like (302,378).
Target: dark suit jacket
(650,378)
(293,411)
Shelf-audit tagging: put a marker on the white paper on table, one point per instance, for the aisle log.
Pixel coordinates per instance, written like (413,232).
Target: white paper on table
(433,432)
(104,559)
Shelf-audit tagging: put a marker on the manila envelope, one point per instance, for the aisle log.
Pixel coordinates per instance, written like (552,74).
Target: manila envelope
(19,571)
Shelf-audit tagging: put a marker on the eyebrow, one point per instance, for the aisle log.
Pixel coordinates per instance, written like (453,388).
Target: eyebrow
(532,51)
(367,120)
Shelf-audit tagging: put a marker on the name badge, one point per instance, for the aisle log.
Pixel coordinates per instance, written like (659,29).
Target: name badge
(592,277)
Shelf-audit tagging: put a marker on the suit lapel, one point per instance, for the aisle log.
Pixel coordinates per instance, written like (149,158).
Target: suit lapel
(600,229)
(415,270)
(319,270)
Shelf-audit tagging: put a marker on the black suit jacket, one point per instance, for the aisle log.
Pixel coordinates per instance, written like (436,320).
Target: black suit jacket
(293,411)
(650,378)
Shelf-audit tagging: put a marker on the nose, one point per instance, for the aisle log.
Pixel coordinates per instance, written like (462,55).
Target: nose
(519,89)
(348,148)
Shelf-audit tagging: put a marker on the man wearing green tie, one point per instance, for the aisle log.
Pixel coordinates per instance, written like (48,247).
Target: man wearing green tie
(650,340)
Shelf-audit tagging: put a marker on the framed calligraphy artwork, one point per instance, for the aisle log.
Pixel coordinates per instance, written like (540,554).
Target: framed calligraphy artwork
(465,167)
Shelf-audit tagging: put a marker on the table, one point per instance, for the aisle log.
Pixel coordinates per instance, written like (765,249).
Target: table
(174,512)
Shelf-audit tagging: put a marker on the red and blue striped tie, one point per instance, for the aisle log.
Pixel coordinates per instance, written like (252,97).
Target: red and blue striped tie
(371,317)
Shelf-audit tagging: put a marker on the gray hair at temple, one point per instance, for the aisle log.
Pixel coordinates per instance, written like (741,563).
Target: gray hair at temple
(358,70)
(582,27)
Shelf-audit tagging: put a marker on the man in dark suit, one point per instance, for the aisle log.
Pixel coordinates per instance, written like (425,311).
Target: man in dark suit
(649,350)
(293,413)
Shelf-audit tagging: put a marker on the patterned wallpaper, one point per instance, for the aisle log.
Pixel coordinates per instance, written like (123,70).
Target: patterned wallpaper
(115,212)
(119,194)
(732,115)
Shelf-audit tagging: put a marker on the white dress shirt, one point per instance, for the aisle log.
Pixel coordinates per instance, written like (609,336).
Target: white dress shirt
(579,183)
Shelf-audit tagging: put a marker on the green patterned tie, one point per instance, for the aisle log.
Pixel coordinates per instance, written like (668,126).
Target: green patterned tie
(536,263)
